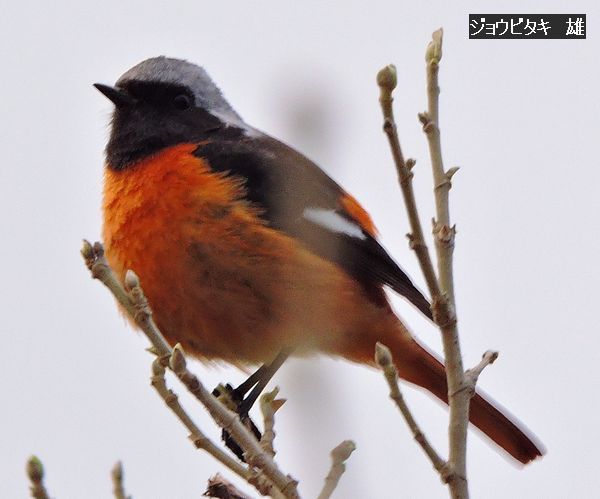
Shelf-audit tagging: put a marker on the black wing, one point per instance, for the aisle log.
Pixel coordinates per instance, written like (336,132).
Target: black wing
(299,199)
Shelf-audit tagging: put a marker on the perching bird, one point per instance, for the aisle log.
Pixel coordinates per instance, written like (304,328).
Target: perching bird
(245,248)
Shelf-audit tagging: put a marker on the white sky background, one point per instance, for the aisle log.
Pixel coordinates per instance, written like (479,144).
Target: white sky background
(519,117)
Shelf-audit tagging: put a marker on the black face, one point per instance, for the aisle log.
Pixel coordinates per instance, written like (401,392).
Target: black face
(151,116)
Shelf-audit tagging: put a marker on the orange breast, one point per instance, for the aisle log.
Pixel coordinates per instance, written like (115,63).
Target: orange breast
(218,280)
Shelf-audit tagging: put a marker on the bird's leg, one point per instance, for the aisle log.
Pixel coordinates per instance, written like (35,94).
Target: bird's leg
(238,393)
(255,384)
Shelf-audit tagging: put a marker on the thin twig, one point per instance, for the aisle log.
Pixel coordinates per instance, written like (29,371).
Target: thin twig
(387,80)
(442,313)
(199,439)
(265,486)
(269,405)
(230,422)
(117,480)
(459,398)
(135,303)
(383,358)
(136,306)
(472,375)
(339,456)
(35,473)
(460,389)
(443,232)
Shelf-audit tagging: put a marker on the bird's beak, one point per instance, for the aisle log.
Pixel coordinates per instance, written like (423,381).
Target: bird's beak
(117,96)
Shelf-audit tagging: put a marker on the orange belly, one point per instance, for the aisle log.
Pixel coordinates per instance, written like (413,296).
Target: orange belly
(219,281)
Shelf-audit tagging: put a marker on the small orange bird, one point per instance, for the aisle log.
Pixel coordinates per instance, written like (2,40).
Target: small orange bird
(247,250)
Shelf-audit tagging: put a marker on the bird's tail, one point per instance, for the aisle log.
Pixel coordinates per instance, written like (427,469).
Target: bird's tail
(416,365)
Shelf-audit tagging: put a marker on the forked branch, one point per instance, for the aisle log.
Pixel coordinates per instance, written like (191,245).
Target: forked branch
(461,385)
(132,299)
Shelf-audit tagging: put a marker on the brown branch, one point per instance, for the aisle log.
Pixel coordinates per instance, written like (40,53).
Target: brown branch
(459,398)
(339,456)
(117,480)
(383,358)
(35,473)
(134,302)
(269,405)
(387,80)
(199,439)
(472,375)
(230,422)
(461,385)
(443,232)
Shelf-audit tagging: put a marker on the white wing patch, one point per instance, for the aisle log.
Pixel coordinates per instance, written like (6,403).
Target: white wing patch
(333,221)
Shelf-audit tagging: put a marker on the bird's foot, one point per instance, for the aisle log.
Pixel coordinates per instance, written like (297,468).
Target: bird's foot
(235,402)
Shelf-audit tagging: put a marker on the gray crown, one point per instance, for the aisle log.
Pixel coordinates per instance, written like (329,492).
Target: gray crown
(167,70)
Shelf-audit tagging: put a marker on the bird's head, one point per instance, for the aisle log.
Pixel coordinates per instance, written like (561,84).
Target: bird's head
(162,102)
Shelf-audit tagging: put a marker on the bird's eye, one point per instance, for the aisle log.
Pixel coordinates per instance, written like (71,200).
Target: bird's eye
(182,102)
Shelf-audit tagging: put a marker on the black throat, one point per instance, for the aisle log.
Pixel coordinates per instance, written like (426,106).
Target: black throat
(153,121)
(134,138)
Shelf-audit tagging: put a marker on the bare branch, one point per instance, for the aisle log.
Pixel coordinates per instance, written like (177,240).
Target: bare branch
(269,405)
(35,473)
(117,480)
(339,455)
(383,357)
(230,422)
(460,385)
(135,303)
(472,375)
(386,79)
(199,439)
(444,305)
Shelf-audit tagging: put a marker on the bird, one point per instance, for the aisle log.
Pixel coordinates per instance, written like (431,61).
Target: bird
(247,251)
